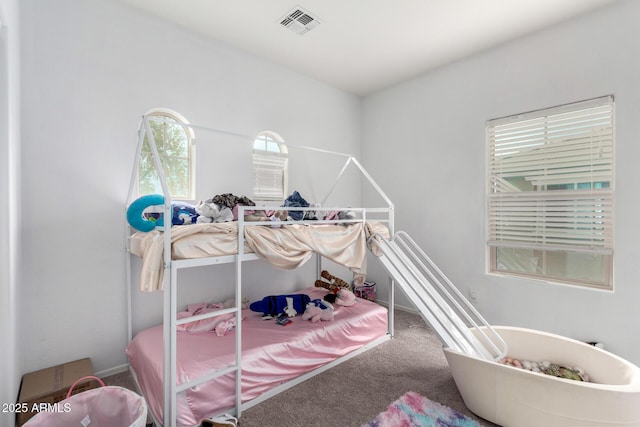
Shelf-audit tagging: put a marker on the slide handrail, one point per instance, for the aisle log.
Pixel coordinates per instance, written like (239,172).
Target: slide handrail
(457,323)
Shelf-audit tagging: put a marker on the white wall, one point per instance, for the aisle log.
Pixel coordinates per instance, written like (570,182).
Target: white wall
(434,129)
(90,69)
(9,204)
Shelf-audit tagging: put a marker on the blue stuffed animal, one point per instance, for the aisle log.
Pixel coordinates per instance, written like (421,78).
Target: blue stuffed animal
(273,305)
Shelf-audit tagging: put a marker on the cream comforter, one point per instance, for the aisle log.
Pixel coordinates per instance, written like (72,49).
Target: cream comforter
(287,247)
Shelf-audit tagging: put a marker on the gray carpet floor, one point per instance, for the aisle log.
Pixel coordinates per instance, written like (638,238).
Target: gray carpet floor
(357,390)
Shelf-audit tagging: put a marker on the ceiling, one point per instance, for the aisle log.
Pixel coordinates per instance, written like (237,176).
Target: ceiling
(362,46)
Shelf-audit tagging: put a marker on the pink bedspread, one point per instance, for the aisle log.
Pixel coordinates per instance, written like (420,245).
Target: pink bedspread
(272,354)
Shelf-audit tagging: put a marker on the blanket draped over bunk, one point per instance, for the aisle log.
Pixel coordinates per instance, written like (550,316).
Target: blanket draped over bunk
(286,247)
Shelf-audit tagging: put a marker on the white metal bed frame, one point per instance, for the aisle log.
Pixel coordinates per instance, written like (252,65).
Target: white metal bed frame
(171,267)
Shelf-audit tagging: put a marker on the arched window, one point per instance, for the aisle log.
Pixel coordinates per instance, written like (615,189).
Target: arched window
(174,140)
(269,167)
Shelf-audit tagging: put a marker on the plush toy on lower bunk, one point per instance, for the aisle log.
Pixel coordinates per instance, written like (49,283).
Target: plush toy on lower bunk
(343,297)
(318,310)
(339,290)
(278,306)
(330,281)
(275,305)
(140,217)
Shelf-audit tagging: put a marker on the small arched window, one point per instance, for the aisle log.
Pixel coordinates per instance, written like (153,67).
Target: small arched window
(269,167)
(174,140)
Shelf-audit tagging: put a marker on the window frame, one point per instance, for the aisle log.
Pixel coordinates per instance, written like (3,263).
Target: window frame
(270,159)
(582,217)
(163,114)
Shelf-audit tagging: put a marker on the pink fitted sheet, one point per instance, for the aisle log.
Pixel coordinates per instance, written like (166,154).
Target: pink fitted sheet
(271,355)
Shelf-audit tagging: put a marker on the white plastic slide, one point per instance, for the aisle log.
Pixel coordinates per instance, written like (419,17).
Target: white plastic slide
(457,323)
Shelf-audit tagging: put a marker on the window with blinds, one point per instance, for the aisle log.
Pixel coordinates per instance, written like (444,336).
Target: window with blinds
(269,168)
(550,196)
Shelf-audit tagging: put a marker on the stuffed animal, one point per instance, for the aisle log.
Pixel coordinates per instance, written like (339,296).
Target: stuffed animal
(331,282)
(274,305)
(318,310)
(345,297)
(316,314)
(341,296)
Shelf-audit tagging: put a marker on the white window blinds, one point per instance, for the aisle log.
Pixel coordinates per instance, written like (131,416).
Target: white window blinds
(269,175)
(551,178)
(270,165)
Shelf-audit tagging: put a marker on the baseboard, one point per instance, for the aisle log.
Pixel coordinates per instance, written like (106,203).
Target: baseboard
(399,307)
(112,371)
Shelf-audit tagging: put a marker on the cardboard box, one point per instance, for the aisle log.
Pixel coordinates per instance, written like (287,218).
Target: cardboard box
(50,385)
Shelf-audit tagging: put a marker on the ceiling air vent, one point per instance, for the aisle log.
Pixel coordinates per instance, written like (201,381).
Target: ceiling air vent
(299,21)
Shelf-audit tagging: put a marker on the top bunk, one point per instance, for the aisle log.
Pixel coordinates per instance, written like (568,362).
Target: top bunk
(324,217)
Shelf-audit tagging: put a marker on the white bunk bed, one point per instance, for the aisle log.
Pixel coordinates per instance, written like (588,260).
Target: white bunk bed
(165,411)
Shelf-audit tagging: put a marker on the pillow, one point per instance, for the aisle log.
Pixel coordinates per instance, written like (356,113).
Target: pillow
(136,209)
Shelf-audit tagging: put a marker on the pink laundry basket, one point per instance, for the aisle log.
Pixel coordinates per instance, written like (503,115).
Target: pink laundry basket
(106,406)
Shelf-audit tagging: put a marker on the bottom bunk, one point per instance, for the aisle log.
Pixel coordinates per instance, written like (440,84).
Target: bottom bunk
(272,357)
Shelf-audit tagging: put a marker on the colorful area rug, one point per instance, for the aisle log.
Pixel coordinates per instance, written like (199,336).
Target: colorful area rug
(414,410)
